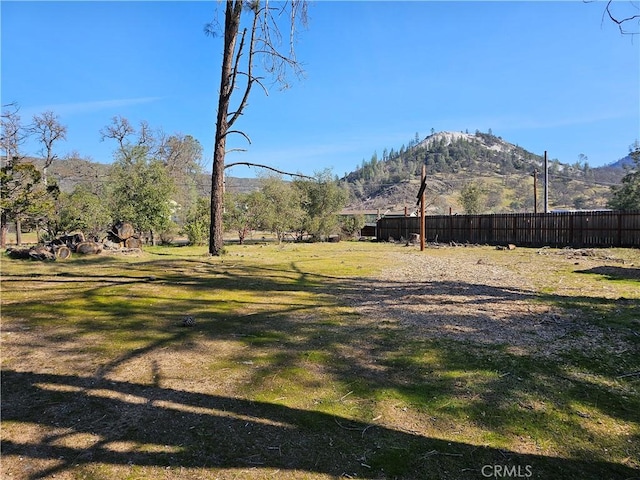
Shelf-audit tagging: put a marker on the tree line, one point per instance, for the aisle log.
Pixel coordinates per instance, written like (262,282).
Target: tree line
(302,209)
(153,183)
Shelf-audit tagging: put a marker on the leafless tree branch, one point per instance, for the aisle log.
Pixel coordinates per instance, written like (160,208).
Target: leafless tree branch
(239,133)
(622,22)
(119,130)
(12,133)
(48,130)
(249,164)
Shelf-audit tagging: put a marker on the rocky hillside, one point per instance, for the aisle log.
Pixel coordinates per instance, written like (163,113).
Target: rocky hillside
(502,170)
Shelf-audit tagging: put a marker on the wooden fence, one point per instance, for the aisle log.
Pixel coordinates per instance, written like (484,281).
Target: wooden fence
(562,229)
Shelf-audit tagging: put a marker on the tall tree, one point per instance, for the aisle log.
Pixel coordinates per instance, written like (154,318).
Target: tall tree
(23,195)
(182,158)
(282,210)
(12,135)
(261,38)
(48,131)
(127,137)
(141,191)
(321,199)
(119,130)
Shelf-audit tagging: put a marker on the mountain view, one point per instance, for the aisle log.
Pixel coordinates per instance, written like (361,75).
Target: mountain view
(502,171)
(390,181)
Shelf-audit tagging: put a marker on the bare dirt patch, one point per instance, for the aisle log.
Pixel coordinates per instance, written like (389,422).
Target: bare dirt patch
(478,297)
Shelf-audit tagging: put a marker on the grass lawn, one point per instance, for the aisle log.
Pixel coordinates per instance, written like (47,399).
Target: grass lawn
(283,377)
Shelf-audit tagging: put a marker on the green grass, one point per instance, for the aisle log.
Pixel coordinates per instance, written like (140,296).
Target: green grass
(280,377)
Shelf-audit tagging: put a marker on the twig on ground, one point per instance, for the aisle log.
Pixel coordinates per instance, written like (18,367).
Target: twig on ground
(345,428)
(346,395)
(366,428)
(436,452)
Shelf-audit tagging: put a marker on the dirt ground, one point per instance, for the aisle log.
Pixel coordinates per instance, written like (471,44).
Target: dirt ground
(331,378)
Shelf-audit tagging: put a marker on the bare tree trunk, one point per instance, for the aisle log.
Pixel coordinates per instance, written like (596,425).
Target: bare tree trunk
(18,232)
(231,27)
(4,228)
(264,26)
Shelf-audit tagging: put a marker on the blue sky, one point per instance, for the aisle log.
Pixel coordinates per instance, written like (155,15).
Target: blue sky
(545,75)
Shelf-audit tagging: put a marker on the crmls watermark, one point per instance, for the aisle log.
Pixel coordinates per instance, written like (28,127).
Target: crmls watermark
(507,471)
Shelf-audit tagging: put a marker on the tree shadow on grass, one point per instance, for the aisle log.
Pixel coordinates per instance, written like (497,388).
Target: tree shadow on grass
(133,424)
(614,272)
(129,425)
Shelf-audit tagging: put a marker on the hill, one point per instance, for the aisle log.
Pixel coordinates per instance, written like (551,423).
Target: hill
(622,163)
(74,171)
(503,171)
(452,159)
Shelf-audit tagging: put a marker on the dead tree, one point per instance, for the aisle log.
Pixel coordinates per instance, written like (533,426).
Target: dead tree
(12,135)
(48,130)
(241,49)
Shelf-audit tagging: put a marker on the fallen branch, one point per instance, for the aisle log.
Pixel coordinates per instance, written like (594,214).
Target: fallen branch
(632,374)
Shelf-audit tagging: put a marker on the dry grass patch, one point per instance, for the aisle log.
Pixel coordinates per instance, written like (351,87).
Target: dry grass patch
(321,361)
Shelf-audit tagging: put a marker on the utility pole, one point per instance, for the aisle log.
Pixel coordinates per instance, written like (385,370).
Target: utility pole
(423,232)
(535,190)
(546,183)
(421,196)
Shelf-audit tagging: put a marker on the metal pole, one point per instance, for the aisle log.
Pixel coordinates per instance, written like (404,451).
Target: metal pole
(535,191)
(546,183)
(422,210)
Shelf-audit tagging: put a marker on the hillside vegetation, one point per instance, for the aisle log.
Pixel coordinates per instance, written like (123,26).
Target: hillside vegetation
(453,160)
(501,170)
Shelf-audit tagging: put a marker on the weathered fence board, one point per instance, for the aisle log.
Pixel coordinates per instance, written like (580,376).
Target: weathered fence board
(558,229)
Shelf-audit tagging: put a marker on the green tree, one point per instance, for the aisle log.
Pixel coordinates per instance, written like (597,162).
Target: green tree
(23,196)
(282,207)
(472,198)
(196,225)
(81,210)
(141,191)
(351,225)
(244,213)
(181,155)
(626,196)
(321,200)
